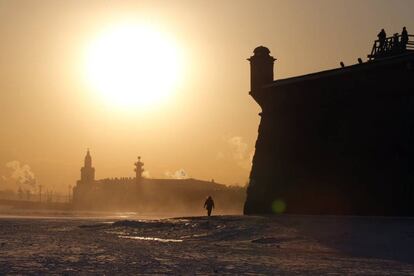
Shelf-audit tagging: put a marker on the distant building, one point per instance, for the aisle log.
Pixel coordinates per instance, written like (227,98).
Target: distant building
(87,171)
(86,186)
(151,195)
(139,169)
(339,141)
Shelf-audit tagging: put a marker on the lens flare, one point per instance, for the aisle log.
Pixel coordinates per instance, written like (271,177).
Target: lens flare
(278,206)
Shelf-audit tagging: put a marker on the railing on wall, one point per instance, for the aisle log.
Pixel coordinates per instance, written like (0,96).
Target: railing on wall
(392,45)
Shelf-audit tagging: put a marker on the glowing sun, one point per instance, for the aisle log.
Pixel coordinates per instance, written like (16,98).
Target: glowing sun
(133,65)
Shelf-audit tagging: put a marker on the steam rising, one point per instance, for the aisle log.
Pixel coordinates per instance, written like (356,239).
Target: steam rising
(238,146)
(146,174)
(20,174)
(240,152)
(179,174)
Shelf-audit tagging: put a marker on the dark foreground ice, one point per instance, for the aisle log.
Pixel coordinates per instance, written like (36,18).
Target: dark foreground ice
(283,245)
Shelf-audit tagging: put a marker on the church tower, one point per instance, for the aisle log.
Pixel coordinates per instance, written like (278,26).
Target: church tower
(87,171)
(139,169)
(261,68)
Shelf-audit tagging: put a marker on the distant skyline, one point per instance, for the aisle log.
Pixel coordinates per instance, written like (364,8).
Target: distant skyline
(49,115)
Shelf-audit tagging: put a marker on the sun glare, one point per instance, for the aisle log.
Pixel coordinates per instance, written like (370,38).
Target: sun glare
(133,66)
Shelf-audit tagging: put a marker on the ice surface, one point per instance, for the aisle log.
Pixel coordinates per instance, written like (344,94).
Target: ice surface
(148,239)
(284,244)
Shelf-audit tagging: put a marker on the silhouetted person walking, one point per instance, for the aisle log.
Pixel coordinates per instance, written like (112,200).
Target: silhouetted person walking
(209,205)
(382,36)
(404,38)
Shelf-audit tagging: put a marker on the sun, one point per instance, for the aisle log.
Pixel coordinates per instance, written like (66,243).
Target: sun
(133,65)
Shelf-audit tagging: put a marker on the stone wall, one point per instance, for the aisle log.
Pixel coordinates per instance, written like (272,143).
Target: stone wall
(337,142)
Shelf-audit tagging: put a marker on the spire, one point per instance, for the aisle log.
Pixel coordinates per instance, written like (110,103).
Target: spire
(87,171)
(88,160)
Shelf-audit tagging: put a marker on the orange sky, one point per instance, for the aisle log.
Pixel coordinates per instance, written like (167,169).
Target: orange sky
(208,128)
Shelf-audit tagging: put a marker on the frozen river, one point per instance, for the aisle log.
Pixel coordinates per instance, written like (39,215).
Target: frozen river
(284,245)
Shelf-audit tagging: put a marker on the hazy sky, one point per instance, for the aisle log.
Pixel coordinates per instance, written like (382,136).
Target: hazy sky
(49,116)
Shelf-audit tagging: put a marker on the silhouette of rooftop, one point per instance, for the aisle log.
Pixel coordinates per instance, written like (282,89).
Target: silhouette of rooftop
(344,70)
(389,51)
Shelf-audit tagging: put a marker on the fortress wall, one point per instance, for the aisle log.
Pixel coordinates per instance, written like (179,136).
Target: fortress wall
(339,144)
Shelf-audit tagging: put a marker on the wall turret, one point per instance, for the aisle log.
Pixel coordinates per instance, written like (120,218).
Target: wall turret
(261,68)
